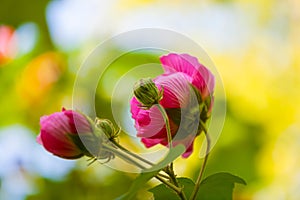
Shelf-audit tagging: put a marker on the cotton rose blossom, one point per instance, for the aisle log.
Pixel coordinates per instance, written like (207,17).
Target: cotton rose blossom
(58,131)
(187,88)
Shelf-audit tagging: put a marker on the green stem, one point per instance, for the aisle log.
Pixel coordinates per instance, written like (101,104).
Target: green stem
(198,181)
(165,176)
(130,160)
(173,180)
(166,119)
(174,183)
(136,156)
(169,170)
(123,156)
(131,153)
(177,189)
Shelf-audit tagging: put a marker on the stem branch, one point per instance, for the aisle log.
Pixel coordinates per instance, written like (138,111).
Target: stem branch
(123,156)
(178,190)
(166,119)
(131,153)
(173,179)
(169,169)
(130,160)
(197,184)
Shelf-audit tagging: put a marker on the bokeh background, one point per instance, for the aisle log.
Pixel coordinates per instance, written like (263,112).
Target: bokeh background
(254,44)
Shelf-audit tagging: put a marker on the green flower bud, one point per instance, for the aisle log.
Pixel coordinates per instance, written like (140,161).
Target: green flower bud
(107,128)
(147,93)
(92,143)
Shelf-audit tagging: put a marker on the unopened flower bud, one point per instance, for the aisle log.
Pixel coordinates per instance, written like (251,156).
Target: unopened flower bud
(107,128)
(147,93)
(61,132)
(70,134)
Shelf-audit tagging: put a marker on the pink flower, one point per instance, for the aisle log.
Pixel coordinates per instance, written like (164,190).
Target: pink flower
(187,98)
(7,43)
(59,132)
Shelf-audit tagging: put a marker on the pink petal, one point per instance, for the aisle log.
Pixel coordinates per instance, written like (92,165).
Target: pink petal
(175,89)
(201,77)
(151,142)
(188,142)
(78,122)
(150,123)
(55,130)
(180,63)
(56,124)
(188,151)
(134,107)
(143,118)
(57,146)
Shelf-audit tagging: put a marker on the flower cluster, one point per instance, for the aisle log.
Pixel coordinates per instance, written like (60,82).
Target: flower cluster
(184,91)
(172,109)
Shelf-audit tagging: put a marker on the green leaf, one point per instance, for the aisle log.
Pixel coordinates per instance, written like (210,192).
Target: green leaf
(218,186)
(139,182)
(174,153)
(162,192)
(188,186)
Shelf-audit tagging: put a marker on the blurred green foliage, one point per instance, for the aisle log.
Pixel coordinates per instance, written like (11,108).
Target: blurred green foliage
(27,11)
(76,186)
